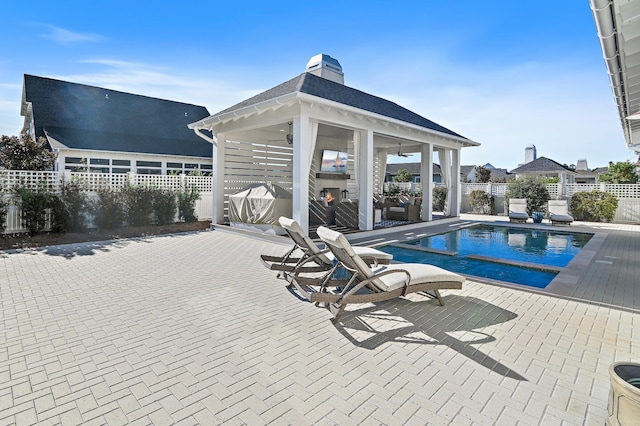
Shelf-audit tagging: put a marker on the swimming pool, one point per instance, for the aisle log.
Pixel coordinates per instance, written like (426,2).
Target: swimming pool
(518,255)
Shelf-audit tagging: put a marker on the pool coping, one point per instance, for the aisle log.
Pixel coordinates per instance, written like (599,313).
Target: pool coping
(563,285)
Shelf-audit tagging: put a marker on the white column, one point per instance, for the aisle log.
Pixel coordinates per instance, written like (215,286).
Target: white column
(301,154)
(217,186)
(426,177)
(365,180)
(455,182)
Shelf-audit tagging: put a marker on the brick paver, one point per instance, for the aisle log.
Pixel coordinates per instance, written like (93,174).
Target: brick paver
(192,329)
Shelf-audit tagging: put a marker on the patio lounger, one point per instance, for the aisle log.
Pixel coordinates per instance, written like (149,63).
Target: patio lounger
(376,284)
(559,212)
(314,259)
(518,210)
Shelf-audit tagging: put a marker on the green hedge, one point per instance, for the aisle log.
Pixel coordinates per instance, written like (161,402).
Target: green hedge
(593,206)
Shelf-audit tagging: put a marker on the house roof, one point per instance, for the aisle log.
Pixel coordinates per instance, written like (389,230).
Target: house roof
(92,118)
(542,165)
(326,89)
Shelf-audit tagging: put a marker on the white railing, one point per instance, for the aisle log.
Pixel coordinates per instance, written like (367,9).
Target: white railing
(53,181)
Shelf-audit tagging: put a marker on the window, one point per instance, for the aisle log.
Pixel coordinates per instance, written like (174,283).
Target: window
(149,164)
(121,162)
(75,160)
(99,161)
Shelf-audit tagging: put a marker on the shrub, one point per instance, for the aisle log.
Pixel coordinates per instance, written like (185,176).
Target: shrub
(33,204)
(481,202)
(70,207)
(593,206)
(403,176)
(439,198)
(4,208)
(108,209)
(187,197)
(164,206)
(533,189)
(138,204)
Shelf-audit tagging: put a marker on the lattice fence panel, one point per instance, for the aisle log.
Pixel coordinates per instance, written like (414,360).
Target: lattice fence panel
(250,162)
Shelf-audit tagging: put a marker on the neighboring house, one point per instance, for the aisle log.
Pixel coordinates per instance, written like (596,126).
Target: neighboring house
(106,131)
(282,135)
(546,168)
(414,169)
(469,173)
(584,175)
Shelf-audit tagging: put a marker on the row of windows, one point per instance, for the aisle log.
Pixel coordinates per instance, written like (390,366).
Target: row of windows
(106,165)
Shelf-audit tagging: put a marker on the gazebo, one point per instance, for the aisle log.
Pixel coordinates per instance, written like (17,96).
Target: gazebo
(288,134)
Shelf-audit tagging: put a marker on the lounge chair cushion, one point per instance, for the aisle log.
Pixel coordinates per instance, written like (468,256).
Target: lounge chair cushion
(420,274)
(518,215)
(367,252)
(560,218)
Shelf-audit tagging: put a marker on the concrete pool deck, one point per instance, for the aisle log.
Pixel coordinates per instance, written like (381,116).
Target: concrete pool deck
(192,329)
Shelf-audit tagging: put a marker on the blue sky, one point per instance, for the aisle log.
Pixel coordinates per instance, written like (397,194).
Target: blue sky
(505,73)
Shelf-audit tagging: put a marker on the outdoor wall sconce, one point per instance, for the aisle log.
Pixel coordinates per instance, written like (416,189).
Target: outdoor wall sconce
(345,194)
(323,193)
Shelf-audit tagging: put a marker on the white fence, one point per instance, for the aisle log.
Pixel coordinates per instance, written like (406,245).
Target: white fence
(628,195)
(93,182)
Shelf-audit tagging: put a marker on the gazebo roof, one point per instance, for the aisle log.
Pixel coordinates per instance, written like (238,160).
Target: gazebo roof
(310,84)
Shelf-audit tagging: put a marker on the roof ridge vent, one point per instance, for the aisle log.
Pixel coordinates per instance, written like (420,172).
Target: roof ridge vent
(327,67)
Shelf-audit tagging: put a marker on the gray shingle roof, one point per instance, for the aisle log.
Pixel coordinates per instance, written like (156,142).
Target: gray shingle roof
(541,165)
(326,89)
(93,118)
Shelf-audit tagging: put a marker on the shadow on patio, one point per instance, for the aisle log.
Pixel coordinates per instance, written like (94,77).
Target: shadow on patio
(426,323)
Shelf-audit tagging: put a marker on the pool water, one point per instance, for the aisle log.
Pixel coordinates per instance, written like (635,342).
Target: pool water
(539,254)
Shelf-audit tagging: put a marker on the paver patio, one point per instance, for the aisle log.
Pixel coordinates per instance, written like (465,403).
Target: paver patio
(192,329)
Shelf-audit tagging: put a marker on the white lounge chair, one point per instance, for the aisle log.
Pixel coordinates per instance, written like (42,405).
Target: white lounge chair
(321,260)
(376,284)
(518,210)
(559,212)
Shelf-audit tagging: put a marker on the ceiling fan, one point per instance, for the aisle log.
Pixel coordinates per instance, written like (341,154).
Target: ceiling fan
(288,136)
(400,153)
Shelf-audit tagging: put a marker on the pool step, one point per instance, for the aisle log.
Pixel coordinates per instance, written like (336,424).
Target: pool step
(425,249)
(546,268)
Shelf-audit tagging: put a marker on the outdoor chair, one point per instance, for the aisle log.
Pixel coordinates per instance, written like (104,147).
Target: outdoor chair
(518,210)
(559,212)
(367,285)
(311,258)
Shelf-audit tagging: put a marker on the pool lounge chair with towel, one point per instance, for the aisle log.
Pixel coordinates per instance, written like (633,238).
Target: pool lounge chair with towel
(559,212)
(376,284)
(322,260)
(518,210)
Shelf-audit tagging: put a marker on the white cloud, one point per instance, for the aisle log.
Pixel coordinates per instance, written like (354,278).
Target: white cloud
(64,36)
(565,109)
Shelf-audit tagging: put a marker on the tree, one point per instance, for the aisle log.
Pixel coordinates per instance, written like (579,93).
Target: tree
(403,176)
(483,175)
(621,172)
(23,153)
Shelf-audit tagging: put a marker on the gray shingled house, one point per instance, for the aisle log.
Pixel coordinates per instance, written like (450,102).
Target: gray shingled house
(108,131)
(545,167)
(288,135)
